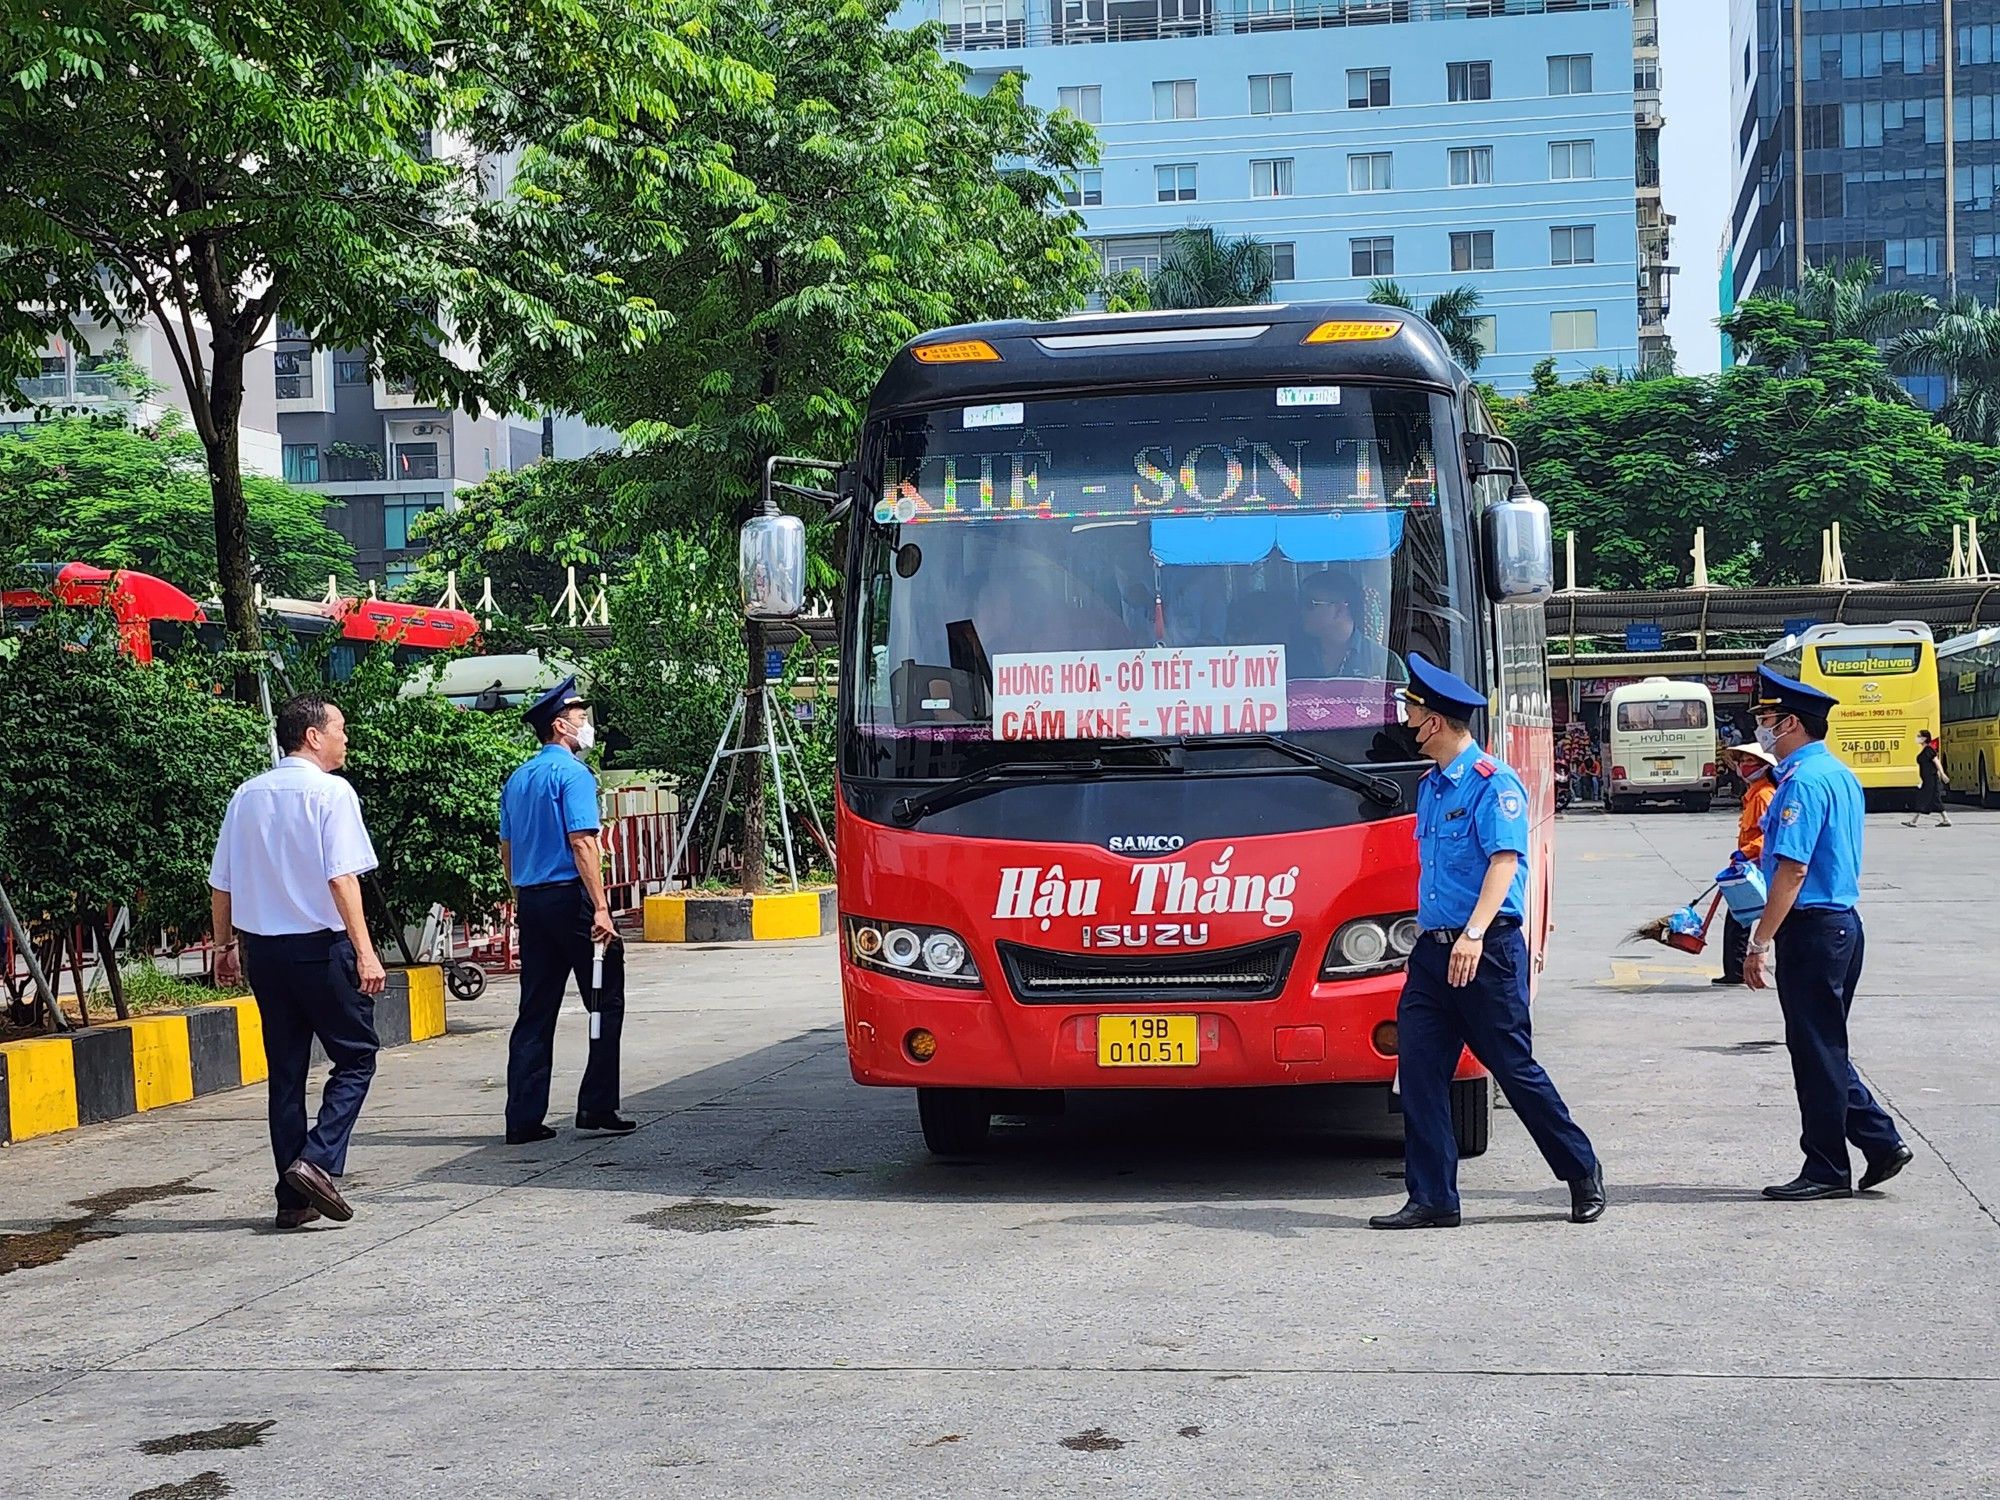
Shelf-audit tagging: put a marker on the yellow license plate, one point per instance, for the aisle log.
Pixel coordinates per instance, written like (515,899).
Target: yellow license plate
(1665,765)
(1871,757)
(1148,1041)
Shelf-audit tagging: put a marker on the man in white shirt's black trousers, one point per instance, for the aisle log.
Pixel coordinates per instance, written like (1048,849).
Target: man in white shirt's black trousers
(285,884)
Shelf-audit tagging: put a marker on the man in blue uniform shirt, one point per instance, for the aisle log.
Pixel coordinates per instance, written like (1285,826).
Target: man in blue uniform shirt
(1812,872)
(1467,984)
(554,860)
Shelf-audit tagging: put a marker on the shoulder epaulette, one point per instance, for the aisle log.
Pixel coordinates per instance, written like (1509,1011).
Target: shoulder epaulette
(1485,765)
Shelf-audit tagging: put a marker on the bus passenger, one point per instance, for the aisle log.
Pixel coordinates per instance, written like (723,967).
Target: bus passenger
(1333,643)
(1467,982)
(1812,870)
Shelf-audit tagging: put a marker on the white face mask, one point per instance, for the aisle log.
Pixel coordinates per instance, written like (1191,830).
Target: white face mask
(586,736)
(1767,737)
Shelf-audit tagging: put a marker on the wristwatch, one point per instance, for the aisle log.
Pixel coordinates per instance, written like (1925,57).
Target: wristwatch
(1476,934)
(1760,948)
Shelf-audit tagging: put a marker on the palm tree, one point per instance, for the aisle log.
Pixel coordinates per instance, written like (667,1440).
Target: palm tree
(1454,314)
(1839,303)
(1963,345)
(1204,269)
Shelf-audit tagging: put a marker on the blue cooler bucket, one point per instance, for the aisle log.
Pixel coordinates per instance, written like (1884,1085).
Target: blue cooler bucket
(1742,887)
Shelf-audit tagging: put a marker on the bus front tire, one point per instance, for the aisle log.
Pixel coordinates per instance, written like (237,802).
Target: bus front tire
(956,1121)
(1472,1115)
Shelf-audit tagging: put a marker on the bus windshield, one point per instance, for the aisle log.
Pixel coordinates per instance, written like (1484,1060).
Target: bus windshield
(1119,568)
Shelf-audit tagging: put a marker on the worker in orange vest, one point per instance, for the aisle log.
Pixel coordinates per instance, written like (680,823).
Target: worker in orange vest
(1758,769)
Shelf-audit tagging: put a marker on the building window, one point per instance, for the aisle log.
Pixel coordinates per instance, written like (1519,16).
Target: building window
(1284,261)
(53,382)
(1367,88)
(1486,333)
(416,461)
(1826,195)
(350,372)
(295,374)
(1084,189)
(1570,74)
(1472,250)
(1085,101)
(1174,184)
(1139,253)
(1573,330)
(1374,257)
(1646,75)
(1271,179)
(399,513)
(1573,245)
(1572,161)
(1467,81)
(1173,100)
(1471,166)
(92,379)
(1270,93)
(1370,173)
(301,463)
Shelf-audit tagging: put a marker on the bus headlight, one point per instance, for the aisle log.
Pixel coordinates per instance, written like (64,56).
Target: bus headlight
(1370,945)
(909,950)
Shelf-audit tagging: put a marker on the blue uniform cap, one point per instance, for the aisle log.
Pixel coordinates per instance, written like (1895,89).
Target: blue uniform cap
(1775,691)
(1432,687)
(542,712)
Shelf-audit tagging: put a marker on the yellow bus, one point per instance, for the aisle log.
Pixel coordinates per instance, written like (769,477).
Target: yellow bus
(1969,687)
(1885,677)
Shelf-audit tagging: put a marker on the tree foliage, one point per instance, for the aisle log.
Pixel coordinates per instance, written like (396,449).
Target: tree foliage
(1454,314)
(1204,269)
(114,776)
(411,179)
(1833,304)
(1763,459)
(1963,345)
(101,492)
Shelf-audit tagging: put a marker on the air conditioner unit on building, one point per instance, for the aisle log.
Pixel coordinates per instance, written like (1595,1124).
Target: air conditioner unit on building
(423,429)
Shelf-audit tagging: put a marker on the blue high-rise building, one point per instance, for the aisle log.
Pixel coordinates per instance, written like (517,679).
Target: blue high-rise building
(1512,145)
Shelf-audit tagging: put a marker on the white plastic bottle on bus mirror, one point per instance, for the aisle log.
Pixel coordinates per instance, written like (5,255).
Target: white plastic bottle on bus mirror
(771,566)
(1520,554)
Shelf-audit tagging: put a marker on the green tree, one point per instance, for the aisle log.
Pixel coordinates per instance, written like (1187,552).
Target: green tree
(1454,314)
(1833,304)
(523,531)
(1764,459)
(1963,345)
(207,164)
(114,777)
(1204,269)
(95,491)
(881,210)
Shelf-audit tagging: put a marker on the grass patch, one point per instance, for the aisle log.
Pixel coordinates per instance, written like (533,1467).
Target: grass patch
(148,988)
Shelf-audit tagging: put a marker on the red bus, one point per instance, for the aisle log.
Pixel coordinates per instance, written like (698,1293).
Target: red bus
(154,617)
(1124,797)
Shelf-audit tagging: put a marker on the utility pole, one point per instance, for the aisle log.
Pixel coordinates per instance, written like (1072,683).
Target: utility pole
(1950,157)
(1799,144)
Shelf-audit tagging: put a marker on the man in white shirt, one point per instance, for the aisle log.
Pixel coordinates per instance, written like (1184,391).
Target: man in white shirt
(285,883)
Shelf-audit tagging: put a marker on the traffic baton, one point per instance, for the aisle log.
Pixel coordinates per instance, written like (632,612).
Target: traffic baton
(596,990)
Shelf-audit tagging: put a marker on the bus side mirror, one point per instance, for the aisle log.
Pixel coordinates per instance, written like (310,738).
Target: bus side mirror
(771,567)
(1519,551)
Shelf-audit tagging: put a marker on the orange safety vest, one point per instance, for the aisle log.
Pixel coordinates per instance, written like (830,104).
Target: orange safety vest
(1750,822)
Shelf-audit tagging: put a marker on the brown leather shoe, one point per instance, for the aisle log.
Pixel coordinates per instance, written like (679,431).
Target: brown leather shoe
(302,1176)
(297,1218)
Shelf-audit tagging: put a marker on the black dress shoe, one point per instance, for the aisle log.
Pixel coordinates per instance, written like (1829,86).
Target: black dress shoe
(297,1218)
(1586,1197)
(1725,979)
(1806,1190)
(532,1134)
(1415,1215)
(615,1124)
(1881,1171)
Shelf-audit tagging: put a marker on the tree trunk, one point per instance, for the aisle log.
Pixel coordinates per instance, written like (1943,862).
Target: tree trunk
(223,446)
(754,770)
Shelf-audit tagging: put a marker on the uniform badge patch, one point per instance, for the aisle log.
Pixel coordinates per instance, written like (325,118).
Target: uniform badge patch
(1789,815)
(1510,804)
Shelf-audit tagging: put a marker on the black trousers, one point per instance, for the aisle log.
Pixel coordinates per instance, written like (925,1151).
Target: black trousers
(307,986)
(1819,965)
(554,923)
(1735,947)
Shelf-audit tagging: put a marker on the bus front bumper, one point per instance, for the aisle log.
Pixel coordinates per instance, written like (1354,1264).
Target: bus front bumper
(1312,1033)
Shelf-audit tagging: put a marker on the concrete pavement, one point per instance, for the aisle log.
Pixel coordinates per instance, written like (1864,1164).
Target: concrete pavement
(771,1289)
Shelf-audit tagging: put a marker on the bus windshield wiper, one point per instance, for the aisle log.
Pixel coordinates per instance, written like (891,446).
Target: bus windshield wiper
(909,811)
(1377,789)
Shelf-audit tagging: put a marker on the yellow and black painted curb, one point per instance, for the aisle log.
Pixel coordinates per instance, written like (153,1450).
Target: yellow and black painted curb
(54,1083)
(690,917)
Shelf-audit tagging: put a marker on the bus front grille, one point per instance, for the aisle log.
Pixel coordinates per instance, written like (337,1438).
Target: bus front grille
(1038,976)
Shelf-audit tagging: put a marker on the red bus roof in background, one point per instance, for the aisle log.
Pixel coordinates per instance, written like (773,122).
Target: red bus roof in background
(131,596)
(404,624)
